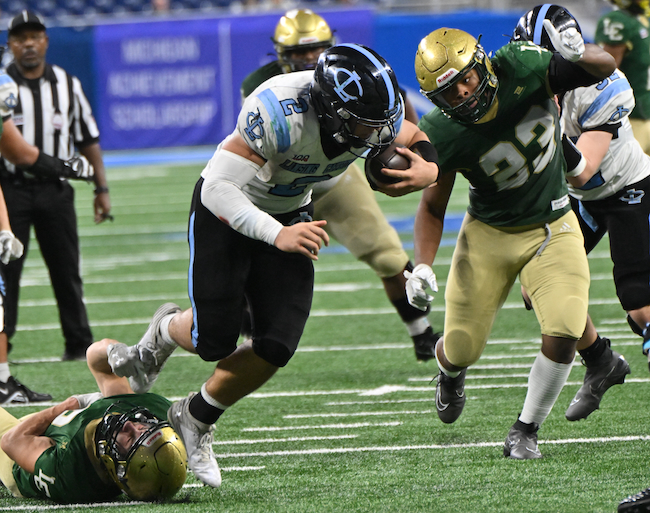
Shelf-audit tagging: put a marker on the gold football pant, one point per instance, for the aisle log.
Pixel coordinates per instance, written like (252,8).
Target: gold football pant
(7,421)
(355,220)
(551,264)
(641,130)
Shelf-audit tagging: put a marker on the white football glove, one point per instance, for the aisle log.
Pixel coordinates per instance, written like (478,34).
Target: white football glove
(87,399)
(416,284)
(79,168)
(10,247)
(568,43)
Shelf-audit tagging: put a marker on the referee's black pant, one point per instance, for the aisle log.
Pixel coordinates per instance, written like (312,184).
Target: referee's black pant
(49,207)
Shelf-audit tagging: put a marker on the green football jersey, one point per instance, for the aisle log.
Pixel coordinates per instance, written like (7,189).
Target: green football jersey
(514,162)
(258,76)
(64,472)
(622,27)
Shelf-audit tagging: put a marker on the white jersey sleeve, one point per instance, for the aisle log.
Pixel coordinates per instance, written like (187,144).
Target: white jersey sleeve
(8,96)
(606,106)
(279,123)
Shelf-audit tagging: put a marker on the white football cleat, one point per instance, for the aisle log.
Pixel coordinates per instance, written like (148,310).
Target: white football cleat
(153,351)
(197,437)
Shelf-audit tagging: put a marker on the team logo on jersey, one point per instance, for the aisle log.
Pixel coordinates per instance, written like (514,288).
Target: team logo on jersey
(349,77)
(619,113)
(254,129)
(11,101)
(632,196)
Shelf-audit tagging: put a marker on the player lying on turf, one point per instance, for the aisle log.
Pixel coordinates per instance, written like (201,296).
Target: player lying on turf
(93,447)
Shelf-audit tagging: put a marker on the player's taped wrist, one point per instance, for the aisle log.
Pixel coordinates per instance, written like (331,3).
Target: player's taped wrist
(575,160)
(426,150)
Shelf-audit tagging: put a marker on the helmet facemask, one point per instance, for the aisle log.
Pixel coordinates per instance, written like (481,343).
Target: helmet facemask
(476,105)
(357,99)
(369,137)
(154,467)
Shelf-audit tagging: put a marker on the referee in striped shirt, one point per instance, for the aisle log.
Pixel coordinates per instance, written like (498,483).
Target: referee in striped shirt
(54,115)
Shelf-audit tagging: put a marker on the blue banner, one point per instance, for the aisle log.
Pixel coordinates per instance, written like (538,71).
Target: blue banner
(176,83)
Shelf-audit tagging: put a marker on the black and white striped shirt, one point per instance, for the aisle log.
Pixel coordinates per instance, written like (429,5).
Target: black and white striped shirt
(53,113)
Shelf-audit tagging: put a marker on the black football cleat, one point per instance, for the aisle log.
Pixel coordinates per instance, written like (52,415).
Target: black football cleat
(425,344)
(521,442)
(639,503)
(14,392)
(450,396)
(598,379)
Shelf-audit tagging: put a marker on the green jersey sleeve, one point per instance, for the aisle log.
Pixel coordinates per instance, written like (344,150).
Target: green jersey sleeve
(65,473)
(253,80)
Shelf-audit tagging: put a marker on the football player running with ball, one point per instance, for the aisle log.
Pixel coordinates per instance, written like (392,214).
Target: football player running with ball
(94,447)
(519,221)
(251,234)
(347,202)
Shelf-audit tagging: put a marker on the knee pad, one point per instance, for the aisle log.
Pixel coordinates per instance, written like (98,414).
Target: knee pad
(386,262)
(272,352)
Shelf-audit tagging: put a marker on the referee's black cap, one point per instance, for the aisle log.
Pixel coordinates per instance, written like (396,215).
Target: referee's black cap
(26,20)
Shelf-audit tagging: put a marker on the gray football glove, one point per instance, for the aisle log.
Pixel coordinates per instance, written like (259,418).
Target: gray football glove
(10,247)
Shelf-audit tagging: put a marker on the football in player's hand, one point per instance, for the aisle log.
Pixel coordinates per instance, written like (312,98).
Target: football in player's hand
(389,158)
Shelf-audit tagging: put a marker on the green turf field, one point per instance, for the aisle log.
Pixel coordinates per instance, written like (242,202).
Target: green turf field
(350,424)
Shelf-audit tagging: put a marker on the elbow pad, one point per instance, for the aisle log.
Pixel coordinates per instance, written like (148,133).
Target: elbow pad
(575,160)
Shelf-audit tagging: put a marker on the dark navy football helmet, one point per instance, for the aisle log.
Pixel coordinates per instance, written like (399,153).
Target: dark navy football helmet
(530,26)
(357,99)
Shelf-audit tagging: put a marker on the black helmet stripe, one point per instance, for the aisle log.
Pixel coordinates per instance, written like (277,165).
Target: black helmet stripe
(393,95)
(539,23)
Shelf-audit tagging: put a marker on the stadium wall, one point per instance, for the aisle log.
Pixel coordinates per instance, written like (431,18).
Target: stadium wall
(168,83)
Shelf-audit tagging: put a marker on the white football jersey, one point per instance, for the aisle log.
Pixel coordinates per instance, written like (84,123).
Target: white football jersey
(606,103)
(8,95)
(278,122)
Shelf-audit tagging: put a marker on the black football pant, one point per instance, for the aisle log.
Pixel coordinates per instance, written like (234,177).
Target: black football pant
(49,208)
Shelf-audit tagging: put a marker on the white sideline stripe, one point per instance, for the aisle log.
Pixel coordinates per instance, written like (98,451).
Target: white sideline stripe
(397,448)
(383,401)
(324,426)
(355,414)
(283,440)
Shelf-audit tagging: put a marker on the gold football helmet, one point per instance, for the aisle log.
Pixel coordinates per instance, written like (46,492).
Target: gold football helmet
(154,467)
(297,33)
(633,6)
(443,58)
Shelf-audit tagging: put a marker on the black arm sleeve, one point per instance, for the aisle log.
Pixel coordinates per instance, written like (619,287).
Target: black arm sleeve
(564,75)
(49,167)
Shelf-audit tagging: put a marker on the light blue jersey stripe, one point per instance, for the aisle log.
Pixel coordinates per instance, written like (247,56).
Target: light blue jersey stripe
(278,119)
(615,87)
(539,23)
(392,94)
(5,79)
